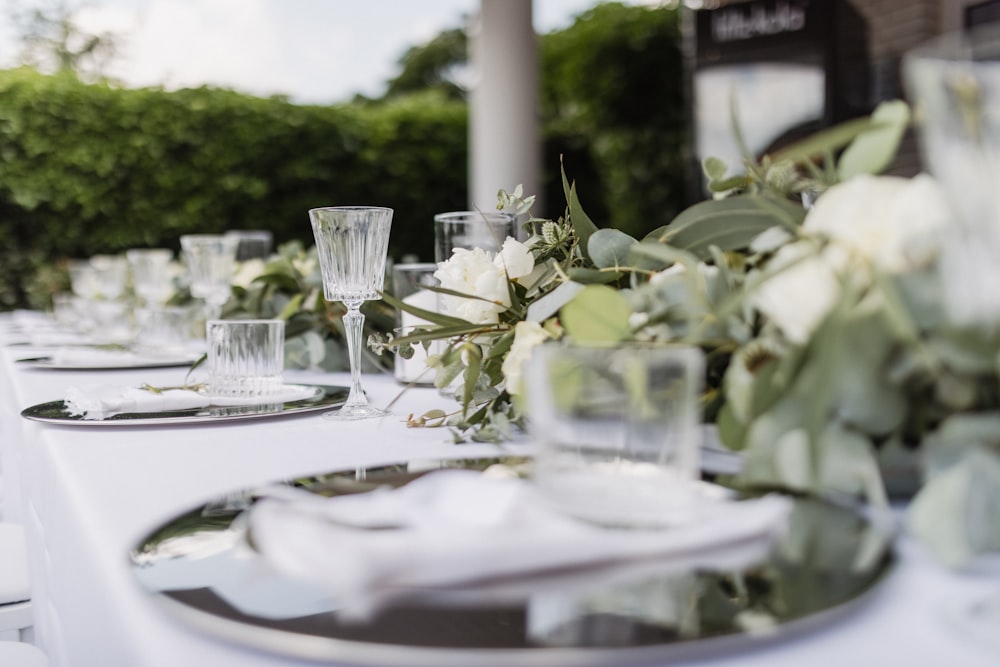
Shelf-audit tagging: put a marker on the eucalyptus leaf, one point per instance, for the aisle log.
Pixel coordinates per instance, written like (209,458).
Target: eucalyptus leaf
(279,280)
(957,513)
(609,248)
(597,315)
(429,315)
(583,226)
(829,140)
(730,224)
(292,307)
(873,150)
(944,447)
(848,463)
(714,168)
(551,303)
(585,276)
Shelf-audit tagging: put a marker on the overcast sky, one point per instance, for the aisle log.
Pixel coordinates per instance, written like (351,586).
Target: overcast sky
(315,51)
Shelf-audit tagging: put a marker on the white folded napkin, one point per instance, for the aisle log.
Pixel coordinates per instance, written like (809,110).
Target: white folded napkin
(103,401)
(457,527)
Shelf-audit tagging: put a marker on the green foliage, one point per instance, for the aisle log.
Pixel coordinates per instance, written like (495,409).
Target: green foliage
(432,66)
(87,169)
(619,134)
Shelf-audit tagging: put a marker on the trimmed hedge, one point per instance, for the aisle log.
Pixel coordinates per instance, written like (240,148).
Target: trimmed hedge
(87,169)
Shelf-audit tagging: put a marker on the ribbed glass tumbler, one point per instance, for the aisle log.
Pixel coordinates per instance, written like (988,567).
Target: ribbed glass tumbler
(246,358)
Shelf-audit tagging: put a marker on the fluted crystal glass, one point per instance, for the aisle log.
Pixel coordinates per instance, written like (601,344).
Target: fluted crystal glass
(352,242)
(211,262)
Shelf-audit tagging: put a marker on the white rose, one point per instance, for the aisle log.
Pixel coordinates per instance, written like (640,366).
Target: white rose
(891,221)
(473,272)
(516,258)
(247,271)
(304,265)
(527,335)
(802,289)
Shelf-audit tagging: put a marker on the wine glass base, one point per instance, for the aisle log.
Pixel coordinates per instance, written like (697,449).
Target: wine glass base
(350,413)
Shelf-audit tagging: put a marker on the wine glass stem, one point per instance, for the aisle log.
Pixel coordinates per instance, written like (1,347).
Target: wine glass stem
(213,310)
(353,323)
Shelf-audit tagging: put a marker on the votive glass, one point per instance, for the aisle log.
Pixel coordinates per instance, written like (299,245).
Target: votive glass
(410,284)
(471,229)
(617,431)
(246,358)
(164,329)
(211,263)
(252,243)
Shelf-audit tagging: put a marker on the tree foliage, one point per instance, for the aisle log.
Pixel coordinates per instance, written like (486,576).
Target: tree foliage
(51,39)
(435,65)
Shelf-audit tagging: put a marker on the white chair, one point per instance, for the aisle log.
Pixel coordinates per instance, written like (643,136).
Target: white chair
(15,593)
(19,654)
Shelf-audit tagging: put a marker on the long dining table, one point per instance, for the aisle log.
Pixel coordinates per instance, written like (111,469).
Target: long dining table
(88,494)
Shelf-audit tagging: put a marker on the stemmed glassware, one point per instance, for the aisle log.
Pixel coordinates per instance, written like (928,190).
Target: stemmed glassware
(352,242)
(211,260)
(151,274)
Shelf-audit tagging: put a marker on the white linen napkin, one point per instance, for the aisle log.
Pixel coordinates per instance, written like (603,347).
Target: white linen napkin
(103,401)
(458,527)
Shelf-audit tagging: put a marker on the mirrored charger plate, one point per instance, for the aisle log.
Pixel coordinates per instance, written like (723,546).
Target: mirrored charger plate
(109,361)
(201,568)
(324,397)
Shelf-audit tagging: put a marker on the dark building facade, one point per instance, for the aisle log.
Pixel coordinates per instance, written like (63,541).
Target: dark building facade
(791,67)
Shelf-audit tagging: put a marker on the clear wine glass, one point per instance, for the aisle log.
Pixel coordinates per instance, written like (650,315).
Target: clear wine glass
(151,274)
(352,242)
(211,261)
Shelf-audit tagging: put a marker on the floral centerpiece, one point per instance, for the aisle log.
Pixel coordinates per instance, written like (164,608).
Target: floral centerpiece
(841,335)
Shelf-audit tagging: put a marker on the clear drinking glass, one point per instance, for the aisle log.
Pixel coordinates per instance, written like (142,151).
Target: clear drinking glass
(352,242)
(246,358)
(252,243)
(954,84)
(151,274)
(617,431)
(471,229)
(83,278)
(211,261)
(110,275)
(409,285)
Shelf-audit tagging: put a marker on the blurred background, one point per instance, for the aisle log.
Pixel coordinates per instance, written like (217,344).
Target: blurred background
(126,123)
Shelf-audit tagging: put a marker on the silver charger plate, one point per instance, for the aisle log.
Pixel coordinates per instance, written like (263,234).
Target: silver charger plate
(126,362)
(201,568)
(325,397)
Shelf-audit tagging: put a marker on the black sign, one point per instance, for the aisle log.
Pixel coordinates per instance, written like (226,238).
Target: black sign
(777,24)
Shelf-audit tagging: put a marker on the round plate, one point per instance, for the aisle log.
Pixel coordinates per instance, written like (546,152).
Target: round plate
(201,567)
(109,363)
(325,398)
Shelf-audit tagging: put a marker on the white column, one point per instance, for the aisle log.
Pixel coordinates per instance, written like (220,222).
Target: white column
(504,136)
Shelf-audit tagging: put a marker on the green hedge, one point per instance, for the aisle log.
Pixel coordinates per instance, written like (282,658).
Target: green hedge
(88,169)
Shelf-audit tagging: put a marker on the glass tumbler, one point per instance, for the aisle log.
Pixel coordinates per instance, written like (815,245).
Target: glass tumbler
(471,229)
(246,358)
(617,431)
(409,285)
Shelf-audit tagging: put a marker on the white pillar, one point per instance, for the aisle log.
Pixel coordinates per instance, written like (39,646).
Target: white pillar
(504,136)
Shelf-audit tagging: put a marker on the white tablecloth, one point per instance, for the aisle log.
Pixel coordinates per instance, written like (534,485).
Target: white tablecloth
(87,495)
